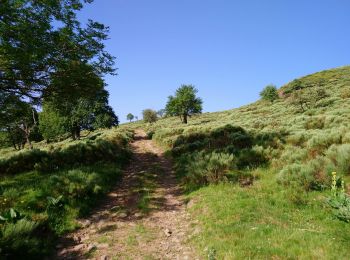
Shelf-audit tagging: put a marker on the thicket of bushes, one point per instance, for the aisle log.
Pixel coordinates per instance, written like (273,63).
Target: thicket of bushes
(216,155)
(37,206)
(81,153)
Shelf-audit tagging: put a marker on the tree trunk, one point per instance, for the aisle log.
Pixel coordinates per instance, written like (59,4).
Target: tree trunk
(75,131)
(185,118)
(29,142)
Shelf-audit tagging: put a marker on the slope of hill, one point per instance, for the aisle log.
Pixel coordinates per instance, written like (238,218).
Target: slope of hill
(43,191)
(274,203)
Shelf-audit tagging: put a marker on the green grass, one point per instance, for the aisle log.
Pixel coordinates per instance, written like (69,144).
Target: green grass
(77,187)
(284,214)
(262,221)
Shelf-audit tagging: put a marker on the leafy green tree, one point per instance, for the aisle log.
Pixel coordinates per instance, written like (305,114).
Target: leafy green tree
(33,48)
(307,98)
(269,93)
(18,119)
(88,112)
(52,125)
(130,117)
(184,103)
(149,115)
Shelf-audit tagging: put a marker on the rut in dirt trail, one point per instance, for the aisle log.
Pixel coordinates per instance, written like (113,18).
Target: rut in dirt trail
(144,217)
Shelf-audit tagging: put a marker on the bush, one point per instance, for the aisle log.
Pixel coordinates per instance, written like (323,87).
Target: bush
(202,169)
(17,239)
(149,115)
(227,138)
(345,92)
(340,157)
(269,93)
(315,123)
(82,153)
(310,176)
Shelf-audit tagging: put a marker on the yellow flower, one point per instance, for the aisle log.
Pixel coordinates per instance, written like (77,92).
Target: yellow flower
(334,173)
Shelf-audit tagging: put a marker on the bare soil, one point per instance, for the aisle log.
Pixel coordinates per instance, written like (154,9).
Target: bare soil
(144,217)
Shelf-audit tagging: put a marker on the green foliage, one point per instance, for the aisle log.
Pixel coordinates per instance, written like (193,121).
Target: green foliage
(130,117)
(76,176)
(291,179)
(33,50)
(11,216)
(184,103)
(339,200)
(52,125)
(229,138)
(340,157)
(82,153)
(345,93)
(149,116)
(269,93)
(17,119)
(17,240)
(83,112)
(202,169)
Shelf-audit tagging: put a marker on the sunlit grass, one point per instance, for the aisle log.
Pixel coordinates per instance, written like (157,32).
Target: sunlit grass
(262,221)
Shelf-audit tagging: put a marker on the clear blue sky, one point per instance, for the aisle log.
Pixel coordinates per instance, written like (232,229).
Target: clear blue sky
(228,49)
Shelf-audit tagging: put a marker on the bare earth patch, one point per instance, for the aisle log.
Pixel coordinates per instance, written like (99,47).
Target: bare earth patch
(144,217)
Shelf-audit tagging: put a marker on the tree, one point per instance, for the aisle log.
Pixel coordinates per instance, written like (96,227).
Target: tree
(184,103)
(161,112)
(149,115)
(269,93)
(52,125)
(18,119)
(87,112)
(33,48)
(130,117)
(307,98)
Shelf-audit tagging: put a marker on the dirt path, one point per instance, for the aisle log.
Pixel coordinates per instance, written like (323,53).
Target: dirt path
(142,218)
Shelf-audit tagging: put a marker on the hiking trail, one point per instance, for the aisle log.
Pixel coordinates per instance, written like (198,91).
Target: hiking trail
(143,217)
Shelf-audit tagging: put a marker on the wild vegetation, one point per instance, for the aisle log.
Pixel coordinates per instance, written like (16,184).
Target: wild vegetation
(51,91)
(273,156)
(43,191)
(268,180)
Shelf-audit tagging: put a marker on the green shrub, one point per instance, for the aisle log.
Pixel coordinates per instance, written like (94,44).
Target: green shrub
(323,140)
(16,239)
(345,92)
(269,93)
(149,115)
(314,123)
(82,153)
(340,157)
(310,176)
(202,169)
(339,200)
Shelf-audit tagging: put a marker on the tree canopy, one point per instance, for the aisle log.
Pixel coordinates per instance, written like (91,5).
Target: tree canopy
(185,103)
(50,61)
(130,117)
(149,115)
(269,93)
(39,40)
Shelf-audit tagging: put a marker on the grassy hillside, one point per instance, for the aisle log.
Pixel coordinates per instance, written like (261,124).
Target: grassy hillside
(44,190)
(274,162)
